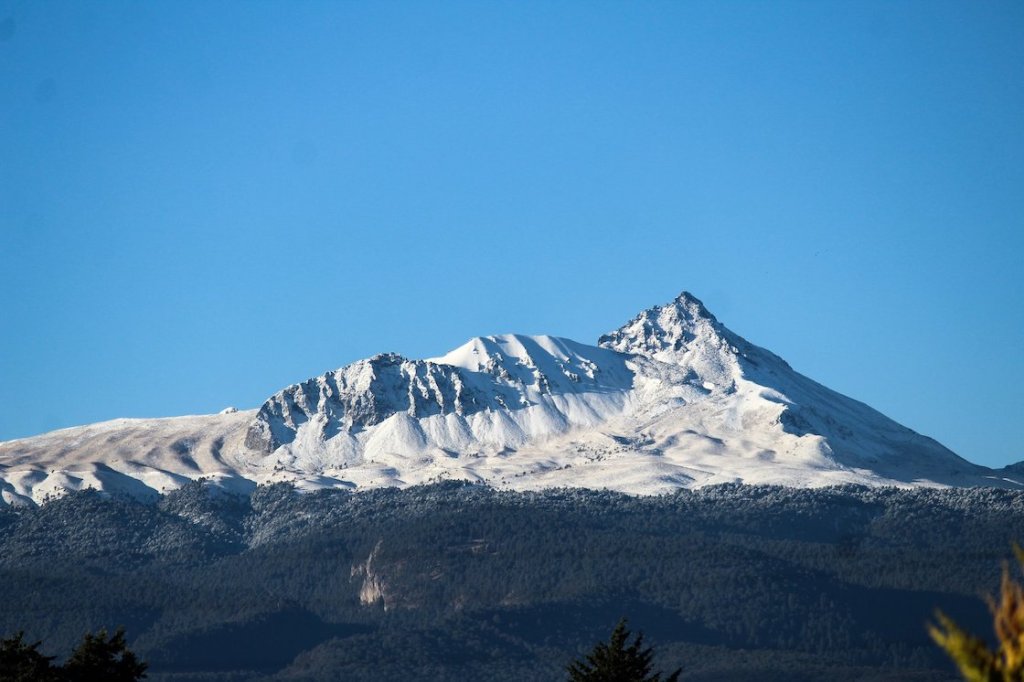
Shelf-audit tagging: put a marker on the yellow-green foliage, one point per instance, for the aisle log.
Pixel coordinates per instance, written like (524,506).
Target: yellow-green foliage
(976,661)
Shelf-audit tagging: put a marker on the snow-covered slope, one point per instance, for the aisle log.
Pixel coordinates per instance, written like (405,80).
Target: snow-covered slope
(672,398)
(492,394)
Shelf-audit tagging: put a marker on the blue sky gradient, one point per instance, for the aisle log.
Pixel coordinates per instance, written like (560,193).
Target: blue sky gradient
(202,202)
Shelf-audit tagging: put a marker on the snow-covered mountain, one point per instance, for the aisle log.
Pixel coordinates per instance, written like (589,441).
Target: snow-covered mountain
(670,399)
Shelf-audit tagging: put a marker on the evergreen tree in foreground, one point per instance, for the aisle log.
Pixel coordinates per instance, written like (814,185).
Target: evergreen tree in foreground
(976,661)
(98,658)
(22,662)
(617,661)
(103,657)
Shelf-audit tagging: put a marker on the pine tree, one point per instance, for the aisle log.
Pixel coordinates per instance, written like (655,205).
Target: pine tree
(976,661)
(104,658)
(618,661)
(22,662)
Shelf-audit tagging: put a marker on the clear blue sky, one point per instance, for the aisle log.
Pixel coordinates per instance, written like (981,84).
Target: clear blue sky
(201,203)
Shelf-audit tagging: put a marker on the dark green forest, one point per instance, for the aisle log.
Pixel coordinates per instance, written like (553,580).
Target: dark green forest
(456,581)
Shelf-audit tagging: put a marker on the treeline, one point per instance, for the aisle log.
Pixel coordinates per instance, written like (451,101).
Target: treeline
(456,580)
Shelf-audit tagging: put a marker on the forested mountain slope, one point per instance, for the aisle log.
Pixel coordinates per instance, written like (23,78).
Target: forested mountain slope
(453,581)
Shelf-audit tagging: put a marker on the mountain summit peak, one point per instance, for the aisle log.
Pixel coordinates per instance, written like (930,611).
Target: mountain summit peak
(686,298)
(687,305)
(671,327)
